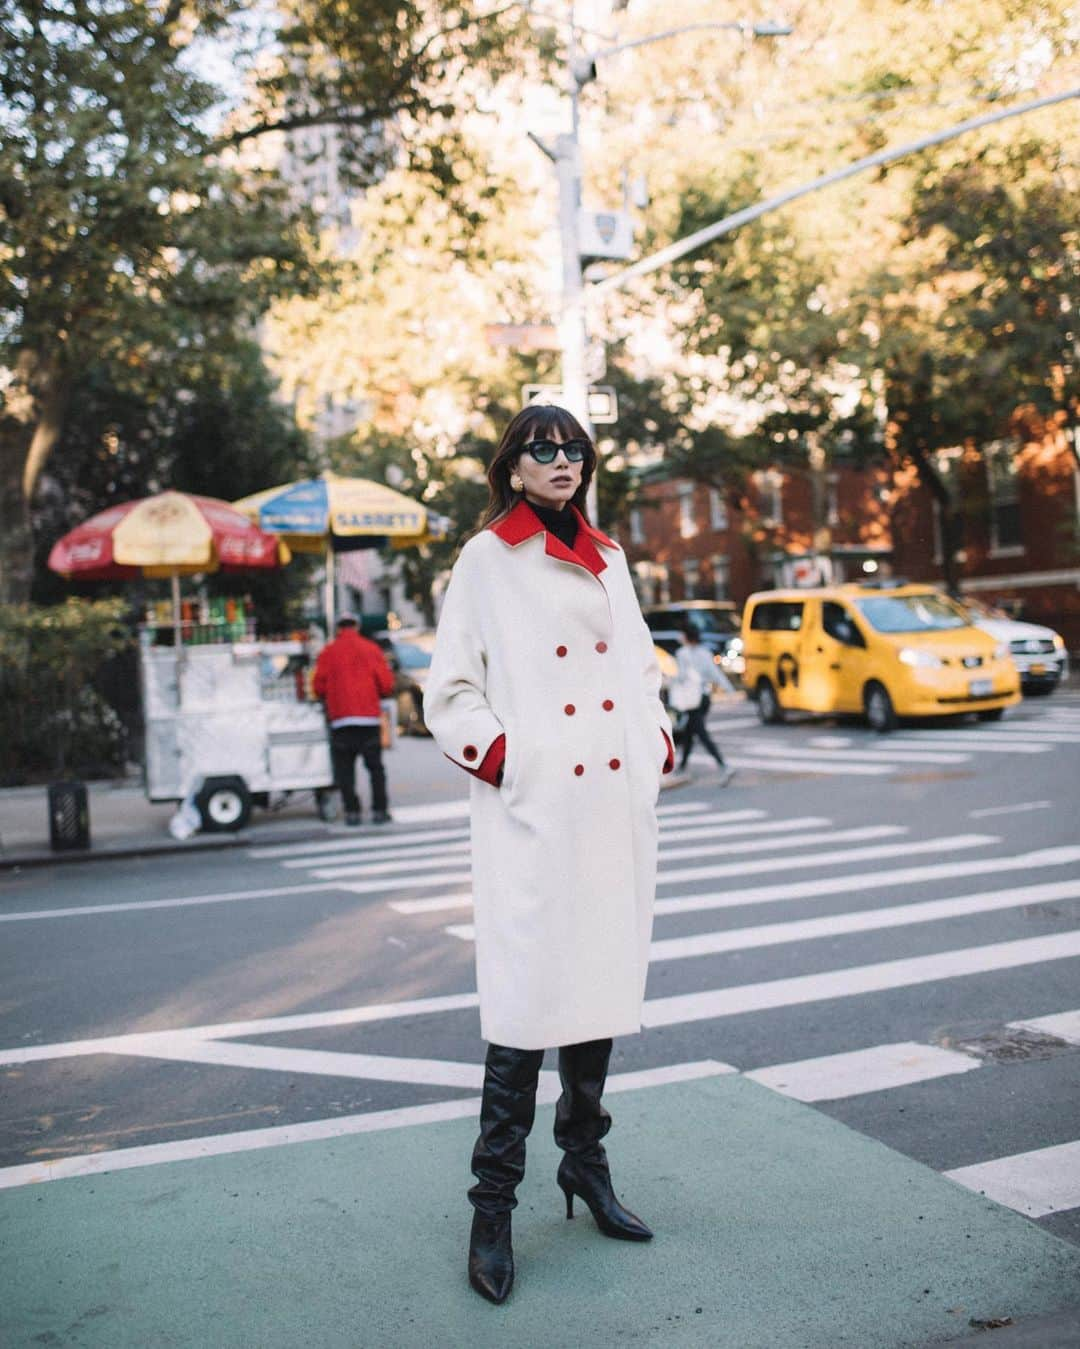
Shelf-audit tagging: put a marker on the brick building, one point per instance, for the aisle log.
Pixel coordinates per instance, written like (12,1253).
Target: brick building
(689,541)
(1020,515)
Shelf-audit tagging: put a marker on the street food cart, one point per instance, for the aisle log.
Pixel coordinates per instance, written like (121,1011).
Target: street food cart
(230,724)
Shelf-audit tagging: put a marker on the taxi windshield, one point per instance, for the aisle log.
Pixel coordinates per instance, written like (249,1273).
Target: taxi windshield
(911,613)
(713,620)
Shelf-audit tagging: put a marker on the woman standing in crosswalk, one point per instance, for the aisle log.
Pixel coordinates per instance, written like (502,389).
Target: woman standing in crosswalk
(545,688)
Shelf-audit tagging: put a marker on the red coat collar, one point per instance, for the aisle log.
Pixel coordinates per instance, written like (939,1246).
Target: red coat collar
(523,523)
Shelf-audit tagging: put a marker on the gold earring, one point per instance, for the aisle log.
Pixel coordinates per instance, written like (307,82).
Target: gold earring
(516,485)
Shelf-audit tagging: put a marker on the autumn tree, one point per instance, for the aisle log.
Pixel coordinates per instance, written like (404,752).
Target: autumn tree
(767,340)
(974,321)
(125,205)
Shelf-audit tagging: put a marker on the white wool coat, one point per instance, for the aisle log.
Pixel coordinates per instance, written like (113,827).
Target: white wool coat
(533,645)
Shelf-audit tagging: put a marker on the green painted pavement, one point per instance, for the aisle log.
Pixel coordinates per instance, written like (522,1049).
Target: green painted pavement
(776,1226)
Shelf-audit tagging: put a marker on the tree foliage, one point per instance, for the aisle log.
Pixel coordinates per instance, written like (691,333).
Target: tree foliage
(877,315)
(129,224)
(51,716)
(972,320)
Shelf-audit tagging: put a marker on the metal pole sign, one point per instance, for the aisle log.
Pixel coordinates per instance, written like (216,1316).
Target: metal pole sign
(523,336)
(732,222)
(603,402)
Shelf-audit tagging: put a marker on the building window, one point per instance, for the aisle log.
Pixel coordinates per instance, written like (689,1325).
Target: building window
(718,517)
(643,583)
(687,522)
(637,526)
(651,582)
(691,578)
(1004,488)
(832,500)
(770,485)
(721,575)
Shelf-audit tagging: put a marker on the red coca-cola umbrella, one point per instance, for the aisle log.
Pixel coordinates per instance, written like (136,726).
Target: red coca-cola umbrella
(172,534)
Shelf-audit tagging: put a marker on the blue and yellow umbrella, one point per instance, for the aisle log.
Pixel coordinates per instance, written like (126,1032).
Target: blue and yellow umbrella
(330,515)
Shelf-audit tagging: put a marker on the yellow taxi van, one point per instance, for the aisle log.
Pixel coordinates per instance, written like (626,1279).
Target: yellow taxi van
(886,649)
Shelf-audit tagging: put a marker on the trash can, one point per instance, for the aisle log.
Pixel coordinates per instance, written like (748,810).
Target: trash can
(69,816)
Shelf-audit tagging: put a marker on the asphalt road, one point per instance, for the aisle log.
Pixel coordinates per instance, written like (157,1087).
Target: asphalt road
(859,922)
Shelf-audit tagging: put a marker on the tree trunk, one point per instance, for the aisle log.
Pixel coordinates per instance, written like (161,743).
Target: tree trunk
(948,519)
(16,544)
(31,421)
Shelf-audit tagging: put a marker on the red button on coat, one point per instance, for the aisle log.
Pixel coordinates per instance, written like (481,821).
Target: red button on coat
(569,709)
(560,651)
(601,647)
(579,769)
(608,704)
(613,763)
(470,751)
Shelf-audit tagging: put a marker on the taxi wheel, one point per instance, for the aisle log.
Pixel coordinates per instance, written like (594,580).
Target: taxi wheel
(769,710)
(879,709)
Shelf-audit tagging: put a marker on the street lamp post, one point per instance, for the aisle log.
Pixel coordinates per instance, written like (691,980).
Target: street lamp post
(566,156)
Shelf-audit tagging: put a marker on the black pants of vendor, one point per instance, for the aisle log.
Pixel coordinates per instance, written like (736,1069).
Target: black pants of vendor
(346,742)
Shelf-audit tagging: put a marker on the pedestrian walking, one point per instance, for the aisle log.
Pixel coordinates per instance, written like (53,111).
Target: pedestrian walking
(544,686)
(696,662)
(351,675)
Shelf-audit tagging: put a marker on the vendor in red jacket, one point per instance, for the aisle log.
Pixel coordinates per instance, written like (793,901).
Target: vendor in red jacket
(351,675)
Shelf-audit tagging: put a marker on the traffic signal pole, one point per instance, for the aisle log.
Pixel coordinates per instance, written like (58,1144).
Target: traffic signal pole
(572,335)
(566,156)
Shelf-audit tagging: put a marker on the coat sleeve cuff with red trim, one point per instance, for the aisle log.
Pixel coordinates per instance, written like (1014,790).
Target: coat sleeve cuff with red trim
(490,767)
(669,762)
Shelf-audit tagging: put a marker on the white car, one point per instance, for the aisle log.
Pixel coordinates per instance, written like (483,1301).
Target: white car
(1038,653)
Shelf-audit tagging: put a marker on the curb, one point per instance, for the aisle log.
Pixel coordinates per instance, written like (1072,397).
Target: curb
(157,847)
(149,848)
(1060,1331)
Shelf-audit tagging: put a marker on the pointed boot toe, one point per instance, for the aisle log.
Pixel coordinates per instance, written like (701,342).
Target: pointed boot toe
(491,1256)
(592,1181)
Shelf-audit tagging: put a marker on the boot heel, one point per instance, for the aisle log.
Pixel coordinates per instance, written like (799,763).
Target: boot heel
(569,1195)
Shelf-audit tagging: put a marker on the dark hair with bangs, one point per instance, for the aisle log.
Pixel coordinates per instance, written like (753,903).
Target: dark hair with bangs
(532,423)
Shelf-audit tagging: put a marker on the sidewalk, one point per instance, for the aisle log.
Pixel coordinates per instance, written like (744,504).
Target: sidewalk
(124,823)
(775,1226)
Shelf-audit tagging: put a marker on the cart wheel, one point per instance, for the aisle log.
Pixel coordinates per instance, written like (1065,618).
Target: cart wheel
(327,806)
(224,804)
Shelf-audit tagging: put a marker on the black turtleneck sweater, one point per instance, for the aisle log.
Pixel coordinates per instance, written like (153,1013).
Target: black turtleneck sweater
(562,523)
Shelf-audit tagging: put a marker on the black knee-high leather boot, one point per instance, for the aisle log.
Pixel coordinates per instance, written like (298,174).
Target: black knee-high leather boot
(507,1110)
(580,1123)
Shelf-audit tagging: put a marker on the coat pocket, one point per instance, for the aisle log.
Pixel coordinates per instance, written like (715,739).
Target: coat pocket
(510,762)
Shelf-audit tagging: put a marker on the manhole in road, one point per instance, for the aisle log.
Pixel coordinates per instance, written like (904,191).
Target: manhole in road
(1001,1044)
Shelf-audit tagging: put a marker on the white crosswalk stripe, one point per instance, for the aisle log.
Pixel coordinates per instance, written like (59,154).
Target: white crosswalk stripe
(859,753)
(870,880)
(845,756)
(817,764)
(711,1004)
(742,857)
(843,924)
(834,1077)
(1036,1183)
(832,857)
(1062,1026)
